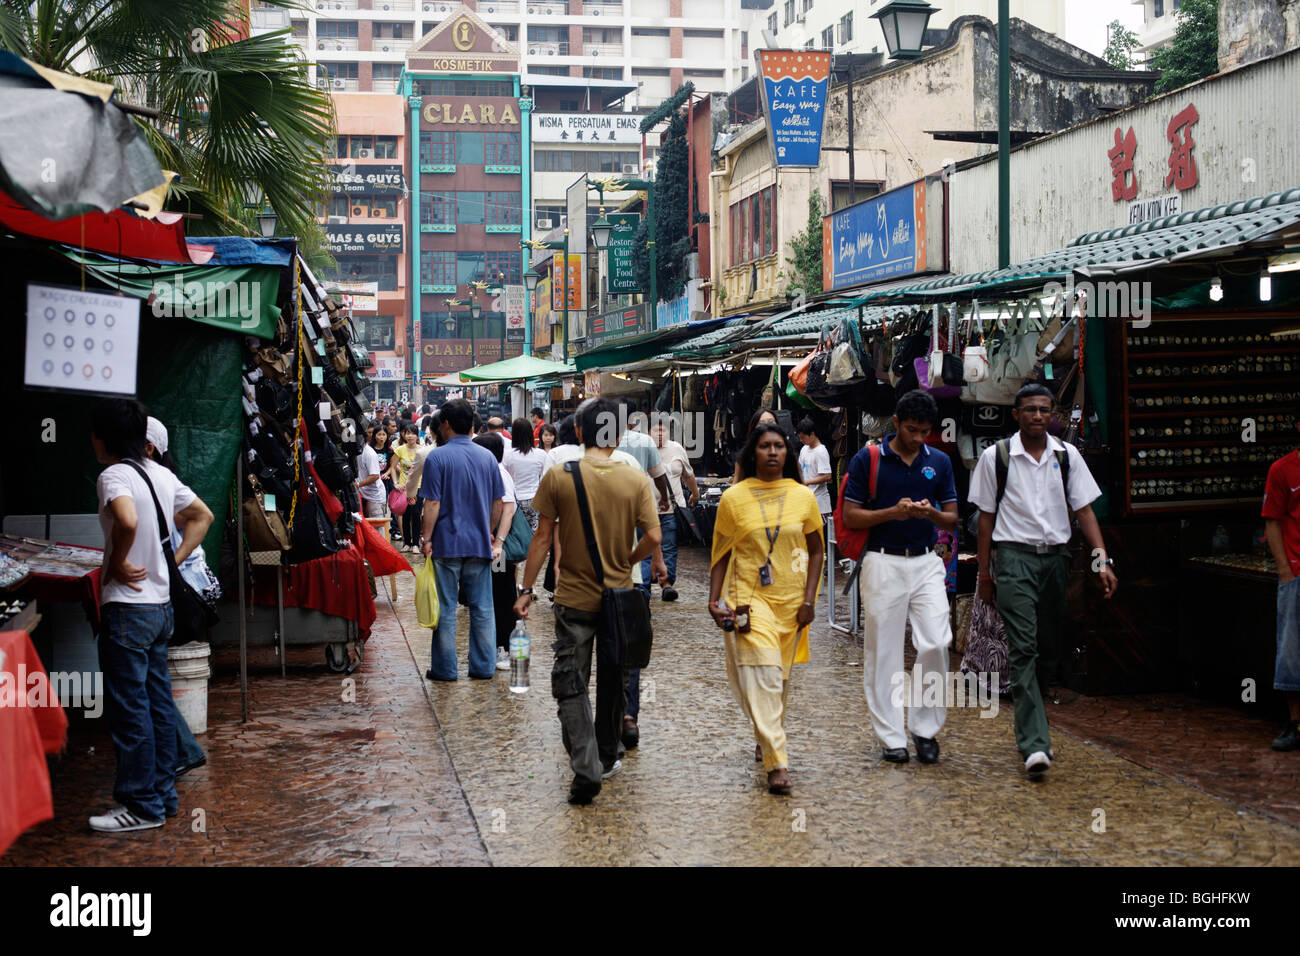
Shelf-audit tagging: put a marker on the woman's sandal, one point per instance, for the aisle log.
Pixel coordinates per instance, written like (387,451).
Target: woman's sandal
(780,789)
(758,753)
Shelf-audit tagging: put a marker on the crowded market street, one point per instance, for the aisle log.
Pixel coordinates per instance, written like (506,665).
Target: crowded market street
(468,773)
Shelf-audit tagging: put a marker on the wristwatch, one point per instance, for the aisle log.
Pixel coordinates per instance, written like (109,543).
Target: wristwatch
(528,591)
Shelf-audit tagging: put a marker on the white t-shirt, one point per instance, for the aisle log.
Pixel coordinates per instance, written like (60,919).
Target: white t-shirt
(367,465)
(562,453)
(675,461)
(525,469)
(117,481)
(814,462)
(509,496)
(1033,503)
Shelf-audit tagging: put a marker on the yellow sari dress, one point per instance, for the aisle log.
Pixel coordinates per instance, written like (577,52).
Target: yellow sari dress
(755,519)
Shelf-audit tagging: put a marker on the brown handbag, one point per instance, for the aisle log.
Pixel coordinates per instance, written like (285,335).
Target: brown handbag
(266,530)
(274,364)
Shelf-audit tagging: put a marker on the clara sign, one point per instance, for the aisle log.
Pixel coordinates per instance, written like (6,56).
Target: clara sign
(794,84)
(884,237)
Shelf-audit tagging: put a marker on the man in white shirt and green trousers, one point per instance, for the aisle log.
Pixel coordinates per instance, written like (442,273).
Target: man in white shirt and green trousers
(1025,487)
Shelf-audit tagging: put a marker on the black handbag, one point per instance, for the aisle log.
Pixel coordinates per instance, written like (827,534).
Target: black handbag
(192,616)
(686,520)
(312,533)
(624,612)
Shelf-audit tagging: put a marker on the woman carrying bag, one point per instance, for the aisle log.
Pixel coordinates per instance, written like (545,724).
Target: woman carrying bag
(767,558)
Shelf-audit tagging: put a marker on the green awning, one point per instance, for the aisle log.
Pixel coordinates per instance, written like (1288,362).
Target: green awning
(515,370)
(237,298)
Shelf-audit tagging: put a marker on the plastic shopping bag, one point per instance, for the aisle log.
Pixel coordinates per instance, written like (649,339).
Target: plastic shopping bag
(426,595)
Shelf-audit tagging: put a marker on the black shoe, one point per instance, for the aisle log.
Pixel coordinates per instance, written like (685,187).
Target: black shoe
(927,749)
(670,594)
(187,767)
(429,675)
(631,733)
(1289,739)
(895,754)
(581,794)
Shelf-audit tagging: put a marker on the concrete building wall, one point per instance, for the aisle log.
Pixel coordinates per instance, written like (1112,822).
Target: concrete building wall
(1246,145)
(1252,29)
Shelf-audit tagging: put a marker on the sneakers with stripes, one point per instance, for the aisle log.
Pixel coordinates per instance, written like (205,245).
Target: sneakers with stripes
(122,820)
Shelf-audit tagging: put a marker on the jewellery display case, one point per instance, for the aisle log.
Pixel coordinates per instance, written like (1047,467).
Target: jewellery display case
(1208,406)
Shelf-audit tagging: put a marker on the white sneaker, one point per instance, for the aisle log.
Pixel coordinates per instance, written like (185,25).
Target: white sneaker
(1037,762)
(618,765)
(122,820)
(503,659)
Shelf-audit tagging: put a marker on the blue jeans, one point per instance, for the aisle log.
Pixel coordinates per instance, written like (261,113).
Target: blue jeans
(188,751)
(141,711)
(668,525)
(475,576)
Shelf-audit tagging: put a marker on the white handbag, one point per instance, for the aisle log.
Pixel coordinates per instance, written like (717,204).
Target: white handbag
(975,360)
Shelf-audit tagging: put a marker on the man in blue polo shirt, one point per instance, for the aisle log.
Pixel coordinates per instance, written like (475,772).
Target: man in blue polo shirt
(902,578)
(462,488)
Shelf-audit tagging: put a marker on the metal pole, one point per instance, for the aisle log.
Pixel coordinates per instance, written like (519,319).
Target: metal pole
(1004,134)
(279,610)
(243,622)
(654,258)
(564,287)
(473,357)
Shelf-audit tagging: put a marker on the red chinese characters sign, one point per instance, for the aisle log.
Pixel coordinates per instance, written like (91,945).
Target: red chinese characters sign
(1182,173)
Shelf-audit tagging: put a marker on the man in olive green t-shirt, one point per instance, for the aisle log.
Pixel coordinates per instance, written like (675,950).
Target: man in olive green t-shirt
(621,501)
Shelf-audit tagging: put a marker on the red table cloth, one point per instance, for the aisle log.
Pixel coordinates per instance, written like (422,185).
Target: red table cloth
(335,584)
(27,734)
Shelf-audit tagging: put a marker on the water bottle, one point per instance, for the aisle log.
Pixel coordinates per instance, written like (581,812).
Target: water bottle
(519,654)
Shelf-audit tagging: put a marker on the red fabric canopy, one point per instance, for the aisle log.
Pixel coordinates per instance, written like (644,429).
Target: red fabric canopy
(118,233)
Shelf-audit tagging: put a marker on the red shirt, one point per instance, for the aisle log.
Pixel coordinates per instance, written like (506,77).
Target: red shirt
(537,433)
(1282,503)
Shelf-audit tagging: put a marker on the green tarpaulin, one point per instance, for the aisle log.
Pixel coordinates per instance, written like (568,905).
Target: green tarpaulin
(235,298)
(516,369)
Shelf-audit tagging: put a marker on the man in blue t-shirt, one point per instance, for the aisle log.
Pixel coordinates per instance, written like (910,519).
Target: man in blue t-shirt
(902,577)
(461,486)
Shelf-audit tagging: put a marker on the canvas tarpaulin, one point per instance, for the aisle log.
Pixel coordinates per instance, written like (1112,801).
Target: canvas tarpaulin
(238,298)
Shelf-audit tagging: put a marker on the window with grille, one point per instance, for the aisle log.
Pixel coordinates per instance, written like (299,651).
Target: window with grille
(469,149)
(437,147)
(385,146)
(509,263)
(438,267)
(501,149)
(753,226)
(333,30)
(846,27)
(828,38)
(789,12)
(438,209)
(502,208)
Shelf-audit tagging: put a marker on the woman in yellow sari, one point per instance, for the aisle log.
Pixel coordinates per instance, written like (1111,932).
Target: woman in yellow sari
(767,559)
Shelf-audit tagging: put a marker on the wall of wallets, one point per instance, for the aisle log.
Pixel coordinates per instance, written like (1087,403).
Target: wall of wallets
(1208,406)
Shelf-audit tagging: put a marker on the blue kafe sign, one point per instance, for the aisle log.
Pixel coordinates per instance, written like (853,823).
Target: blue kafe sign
(884,237)
(794,84)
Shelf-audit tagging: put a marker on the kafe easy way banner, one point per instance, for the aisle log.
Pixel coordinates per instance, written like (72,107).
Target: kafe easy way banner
(794,84)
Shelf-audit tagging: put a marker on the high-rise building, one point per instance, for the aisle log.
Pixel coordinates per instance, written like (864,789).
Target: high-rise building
(1159,21)
(846,26)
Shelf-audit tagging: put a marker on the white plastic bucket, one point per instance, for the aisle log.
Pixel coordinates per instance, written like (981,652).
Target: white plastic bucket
(188,665)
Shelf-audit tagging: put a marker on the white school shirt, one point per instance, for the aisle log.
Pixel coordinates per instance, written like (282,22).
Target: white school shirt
(814,462)
(1033,505)
(121,480)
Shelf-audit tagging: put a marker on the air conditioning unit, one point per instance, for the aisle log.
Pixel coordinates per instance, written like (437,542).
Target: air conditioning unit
(385,49)
(533,51)
(595,53)
(339,47)
(551,52)
(629,169)
(365,154)
(320,46)
(490,9)
(360,211)
(323,84)
(596,12)
(340,84)
(379,212)
(428,8)
(322,6)
(386,6)
(544,225)
(337,220)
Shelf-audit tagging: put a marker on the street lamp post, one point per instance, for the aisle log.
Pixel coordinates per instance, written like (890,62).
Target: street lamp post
(450,324)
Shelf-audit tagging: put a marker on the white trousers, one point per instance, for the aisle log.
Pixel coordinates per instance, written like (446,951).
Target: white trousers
(895,590)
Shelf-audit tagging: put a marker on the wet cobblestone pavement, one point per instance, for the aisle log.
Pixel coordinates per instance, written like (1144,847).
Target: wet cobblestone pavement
(468,773)
(692,794)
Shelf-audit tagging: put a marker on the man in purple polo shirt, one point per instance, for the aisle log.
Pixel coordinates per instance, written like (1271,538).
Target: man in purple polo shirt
(462,488)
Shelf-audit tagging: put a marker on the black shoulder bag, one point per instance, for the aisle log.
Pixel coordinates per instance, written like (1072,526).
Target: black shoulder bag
(624,612)
(192,615)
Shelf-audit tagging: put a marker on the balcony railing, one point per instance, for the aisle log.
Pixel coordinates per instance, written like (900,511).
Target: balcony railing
(323,6)
(337,44)
(602,49)
(385,86)
(393,6)
(339,84)
(547,48)
(600,9)
(390,45)
(499,8)
(270,19)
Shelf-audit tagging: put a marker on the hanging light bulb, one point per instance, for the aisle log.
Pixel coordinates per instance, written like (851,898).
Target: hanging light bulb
(1265,287)
(1216,289)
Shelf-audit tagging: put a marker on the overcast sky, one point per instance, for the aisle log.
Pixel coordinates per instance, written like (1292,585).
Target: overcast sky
(1085,21)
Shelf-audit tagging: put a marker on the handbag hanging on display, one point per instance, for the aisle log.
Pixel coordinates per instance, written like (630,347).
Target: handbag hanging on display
(624,612)
(192,616)
(975,359)
(311,533)
(264,528)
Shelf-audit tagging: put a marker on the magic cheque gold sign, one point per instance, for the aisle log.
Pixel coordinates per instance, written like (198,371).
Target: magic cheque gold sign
(462,34)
